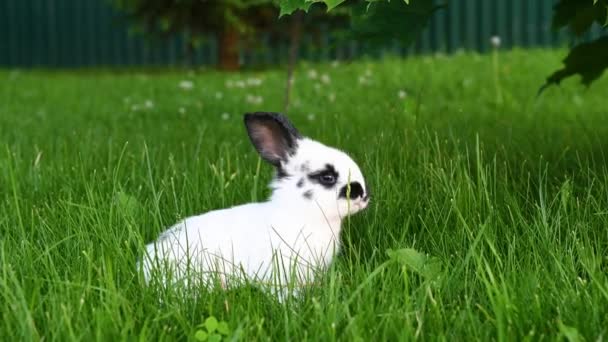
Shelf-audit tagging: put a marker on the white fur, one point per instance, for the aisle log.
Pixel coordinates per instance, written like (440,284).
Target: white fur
(281,242)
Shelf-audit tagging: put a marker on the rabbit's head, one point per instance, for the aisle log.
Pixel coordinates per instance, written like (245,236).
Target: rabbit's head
(307,172)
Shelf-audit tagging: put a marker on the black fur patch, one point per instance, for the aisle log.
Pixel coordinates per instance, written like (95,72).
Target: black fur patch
(300,183)
(316,176)
(307,194)
(281,173)
(356,191)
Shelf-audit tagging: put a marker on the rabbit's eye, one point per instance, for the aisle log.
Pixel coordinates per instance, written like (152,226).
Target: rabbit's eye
(327,179)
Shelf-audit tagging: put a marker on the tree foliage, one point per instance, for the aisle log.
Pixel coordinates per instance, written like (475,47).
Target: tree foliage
(229,19)
(587,59)
(383,20)
(376,21)
(196,16)
(200,17)
(234,22)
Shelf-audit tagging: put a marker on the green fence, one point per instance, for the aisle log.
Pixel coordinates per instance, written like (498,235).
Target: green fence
(77,33)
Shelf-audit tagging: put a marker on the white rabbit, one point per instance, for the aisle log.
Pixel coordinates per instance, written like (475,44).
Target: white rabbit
(281,242)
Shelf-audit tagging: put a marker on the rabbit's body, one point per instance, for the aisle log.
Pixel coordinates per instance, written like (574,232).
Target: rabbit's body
(286,239)
(249,240)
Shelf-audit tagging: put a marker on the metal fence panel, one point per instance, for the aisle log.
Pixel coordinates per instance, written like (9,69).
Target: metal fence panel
(78,33)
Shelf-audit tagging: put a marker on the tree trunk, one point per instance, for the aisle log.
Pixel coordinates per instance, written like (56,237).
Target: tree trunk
(294,37)
(189,53)
(229,49)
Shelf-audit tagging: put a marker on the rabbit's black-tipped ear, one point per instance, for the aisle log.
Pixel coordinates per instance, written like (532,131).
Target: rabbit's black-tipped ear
(273,136)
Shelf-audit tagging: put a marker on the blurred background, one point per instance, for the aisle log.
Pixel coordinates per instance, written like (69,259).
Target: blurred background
(236,34)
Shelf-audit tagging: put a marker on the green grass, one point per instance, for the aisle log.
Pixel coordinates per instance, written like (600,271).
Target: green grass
(509,197)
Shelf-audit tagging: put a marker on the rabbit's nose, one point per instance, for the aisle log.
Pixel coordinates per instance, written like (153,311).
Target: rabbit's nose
(356,190)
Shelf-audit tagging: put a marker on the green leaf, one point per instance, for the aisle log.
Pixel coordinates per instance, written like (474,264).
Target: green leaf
(223,329)
(201,335)
(215,338)
(579,15)
(290,6)
(429,268)
(588,60)
(380,22)
(165,24)
(211,324)
(332,3)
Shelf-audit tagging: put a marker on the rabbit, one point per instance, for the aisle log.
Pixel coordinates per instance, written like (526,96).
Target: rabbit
(283,242)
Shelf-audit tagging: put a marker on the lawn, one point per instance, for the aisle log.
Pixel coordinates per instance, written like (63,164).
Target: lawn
(503,192)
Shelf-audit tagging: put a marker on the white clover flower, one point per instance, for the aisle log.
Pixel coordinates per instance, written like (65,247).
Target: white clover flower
(240,84)
(254,82)
(495,41)
(325,79)
(219,95)
(368,72)
(254,99)
(149,104)
(331,97)
(402,94)
(363,80)
(186,85)
(182,110)
(312,74)
(335,64)
(310,117)
(225,116)
(229,84)
(14,74)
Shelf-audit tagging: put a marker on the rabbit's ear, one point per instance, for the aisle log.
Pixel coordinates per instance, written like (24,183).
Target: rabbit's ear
(273,136)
